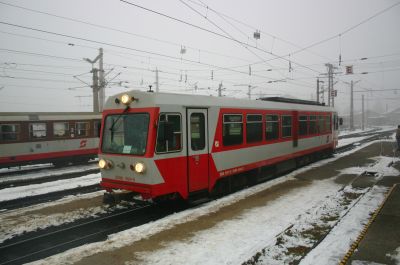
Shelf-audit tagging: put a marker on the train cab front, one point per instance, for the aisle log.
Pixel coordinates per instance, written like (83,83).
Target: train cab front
(125,152)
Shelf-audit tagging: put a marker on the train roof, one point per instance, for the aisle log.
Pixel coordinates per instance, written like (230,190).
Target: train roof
(48,116)
(153,99)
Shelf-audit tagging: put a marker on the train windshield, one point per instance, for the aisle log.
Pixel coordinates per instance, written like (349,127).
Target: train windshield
(125,134)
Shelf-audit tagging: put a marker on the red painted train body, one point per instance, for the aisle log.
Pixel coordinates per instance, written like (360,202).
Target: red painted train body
(168,145)
(58,138)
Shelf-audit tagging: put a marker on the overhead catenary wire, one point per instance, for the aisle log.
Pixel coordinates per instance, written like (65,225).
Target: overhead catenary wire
(118,30)
(123,47)
(229,35)
(217,34)
(348,29)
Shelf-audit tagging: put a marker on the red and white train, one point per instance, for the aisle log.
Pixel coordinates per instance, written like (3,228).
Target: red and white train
(52,137)
(164,145)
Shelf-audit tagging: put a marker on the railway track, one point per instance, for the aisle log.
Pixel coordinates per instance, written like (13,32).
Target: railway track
(48,197)
(372,137)
(23,180)
(15,171)
(41,244)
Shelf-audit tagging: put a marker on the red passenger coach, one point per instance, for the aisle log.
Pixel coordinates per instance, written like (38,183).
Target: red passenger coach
(169,145)
(48,137)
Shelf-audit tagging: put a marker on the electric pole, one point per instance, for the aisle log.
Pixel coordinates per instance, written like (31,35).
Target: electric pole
(352,83)
(331,91)
(95,87)
(98,88)
(157,83)
(363,115)
(220,90)
(319,91)
(102,87)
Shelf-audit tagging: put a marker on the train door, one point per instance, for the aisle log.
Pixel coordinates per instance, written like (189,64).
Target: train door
(197,139)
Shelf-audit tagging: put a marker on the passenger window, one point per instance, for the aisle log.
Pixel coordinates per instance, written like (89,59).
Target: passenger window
(303,125)
(321,127)
(82,128)
(60,129)
(272,127)
(97,128)
(9,132)
(286,126)
(313,125)
(254,130)
(327,124)
(37,130)
(169,134)
(232,133)
(197,131)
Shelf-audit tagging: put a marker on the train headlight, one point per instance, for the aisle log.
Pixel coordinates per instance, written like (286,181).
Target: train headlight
(104,164)
(139,167)
(126,99)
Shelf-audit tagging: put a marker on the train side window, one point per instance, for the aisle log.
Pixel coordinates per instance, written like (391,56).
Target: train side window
(97,128)
(82,128)
(286,126)
(313,125)
(320,127)
(197,136)
(37,130)
(232,132)
(254,131)
(60,129)
(9,132)
(328,124)
(272,127)
(303,125)
(169,133)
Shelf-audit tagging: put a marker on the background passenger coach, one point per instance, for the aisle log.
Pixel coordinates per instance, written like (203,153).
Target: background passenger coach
(166,146)
(53,137)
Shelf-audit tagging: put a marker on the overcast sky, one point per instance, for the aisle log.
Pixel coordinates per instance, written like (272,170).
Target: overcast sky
(38,68)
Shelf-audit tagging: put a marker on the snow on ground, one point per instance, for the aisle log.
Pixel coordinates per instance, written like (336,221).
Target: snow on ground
(380,166)
(46,173)
(395,256)
(231,246)
(344,132)
(19,221)
(352,140)
(43,188)
(333,248)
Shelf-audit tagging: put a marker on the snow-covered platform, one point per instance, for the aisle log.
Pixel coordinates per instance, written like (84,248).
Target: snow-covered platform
(381,243)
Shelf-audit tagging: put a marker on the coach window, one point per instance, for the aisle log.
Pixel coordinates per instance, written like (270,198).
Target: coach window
(302,125)
(313,125)
(286,126)
(60,129)
(198,139)
(232,132)
(169,133)
(321,127)
(82,129)
(254,129)
(37,130)
(9,132)
(327,124)
(272,127)
(97,128)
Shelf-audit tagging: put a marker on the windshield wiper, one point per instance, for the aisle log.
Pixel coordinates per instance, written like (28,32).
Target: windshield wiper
(116,120)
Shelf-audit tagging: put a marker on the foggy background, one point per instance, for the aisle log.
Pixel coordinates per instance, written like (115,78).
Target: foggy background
(46,71)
